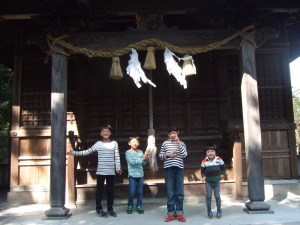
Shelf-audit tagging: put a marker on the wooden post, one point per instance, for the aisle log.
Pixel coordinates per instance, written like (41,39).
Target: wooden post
(252,131)
(18,61)
(237,165)
(58,137)
(71,171)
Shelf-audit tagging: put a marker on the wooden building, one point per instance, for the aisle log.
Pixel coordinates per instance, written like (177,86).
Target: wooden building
(77,33)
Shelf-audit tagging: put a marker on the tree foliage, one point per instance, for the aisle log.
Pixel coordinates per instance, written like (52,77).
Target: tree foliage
(296,105)
(6,86)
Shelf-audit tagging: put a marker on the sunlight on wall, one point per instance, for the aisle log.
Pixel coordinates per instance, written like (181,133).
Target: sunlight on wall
(295,74)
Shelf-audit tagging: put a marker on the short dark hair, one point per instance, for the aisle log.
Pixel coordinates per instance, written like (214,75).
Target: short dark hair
(133,137)
(210,147)
(105,126)
(172,128)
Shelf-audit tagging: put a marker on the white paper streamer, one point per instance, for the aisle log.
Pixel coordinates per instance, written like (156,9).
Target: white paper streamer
(135,70)
(173,67)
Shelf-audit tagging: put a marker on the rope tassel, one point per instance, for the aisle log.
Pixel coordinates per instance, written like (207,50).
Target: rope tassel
(116,71)
(135,70)
(151,153)
(150,63)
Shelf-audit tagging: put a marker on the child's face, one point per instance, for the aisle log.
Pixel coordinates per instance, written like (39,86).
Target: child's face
(105,133)
(173,135)
(210,153)
(134,143)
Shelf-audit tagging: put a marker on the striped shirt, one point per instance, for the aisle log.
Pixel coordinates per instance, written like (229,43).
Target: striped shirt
(212,169)
(135,163)
(108,157)
(170,146)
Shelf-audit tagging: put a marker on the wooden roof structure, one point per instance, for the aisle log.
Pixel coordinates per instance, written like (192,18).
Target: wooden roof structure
(78,16)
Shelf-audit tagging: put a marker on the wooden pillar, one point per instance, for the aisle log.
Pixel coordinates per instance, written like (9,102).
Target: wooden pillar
(18,61)
(290,116)
(71,170)
(58,137)
(237,165)
(252,131)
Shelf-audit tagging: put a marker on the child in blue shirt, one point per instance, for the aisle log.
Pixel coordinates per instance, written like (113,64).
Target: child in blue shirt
(135,161)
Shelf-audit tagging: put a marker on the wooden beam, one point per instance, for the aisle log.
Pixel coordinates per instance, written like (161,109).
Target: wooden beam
(186,38)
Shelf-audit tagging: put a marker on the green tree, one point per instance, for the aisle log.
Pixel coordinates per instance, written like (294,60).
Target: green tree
(296,105)
(6,85)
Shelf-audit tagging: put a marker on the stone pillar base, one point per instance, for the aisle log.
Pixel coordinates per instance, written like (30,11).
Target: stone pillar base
(258,207)
(57,213)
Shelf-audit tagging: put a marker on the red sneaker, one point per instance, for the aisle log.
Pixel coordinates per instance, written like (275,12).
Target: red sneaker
(169,219)
(181,218)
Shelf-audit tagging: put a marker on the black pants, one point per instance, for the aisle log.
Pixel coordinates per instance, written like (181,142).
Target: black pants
(110,180)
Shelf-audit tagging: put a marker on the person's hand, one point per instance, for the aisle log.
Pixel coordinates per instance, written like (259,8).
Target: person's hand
(177,141)
(69,153)
(222,177)
(119,172)
(145,157)
(171,154)
(203,179)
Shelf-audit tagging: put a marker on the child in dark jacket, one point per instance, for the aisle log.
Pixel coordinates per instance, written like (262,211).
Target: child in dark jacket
(212,171)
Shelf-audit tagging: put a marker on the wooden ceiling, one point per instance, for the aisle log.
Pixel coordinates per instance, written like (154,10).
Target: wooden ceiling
(76,16)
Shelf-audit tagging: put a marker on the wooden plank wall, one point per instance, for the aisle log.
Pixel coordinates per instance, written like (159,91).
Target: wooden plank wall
(205,112)
(276,154)
(34,161)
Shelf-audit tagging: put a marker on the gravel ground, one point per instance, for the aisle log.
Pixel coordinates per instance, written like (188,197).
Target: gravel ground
(3,204)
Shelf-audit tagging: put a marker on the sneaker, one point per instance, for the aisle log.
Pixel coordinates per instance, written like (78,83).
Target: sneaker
(169,219)
(129,209)
(112,213)
(210,214)
(139,209)
(181,218)
(219,214)
(102,213)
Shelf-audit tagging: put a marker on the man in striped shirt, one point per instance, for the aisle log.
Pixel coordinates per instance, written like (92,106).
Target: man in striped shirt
(108,165)
(173,151)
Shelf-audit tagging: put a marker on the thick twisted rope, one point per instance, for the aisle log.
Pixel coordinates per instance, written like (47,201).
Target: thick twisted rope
(150,102)
(142,45)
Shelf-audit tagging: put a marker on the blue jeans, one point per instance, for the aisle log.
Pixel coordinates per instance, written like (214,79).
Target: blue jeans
(135,187)
(174,182)
(210,186)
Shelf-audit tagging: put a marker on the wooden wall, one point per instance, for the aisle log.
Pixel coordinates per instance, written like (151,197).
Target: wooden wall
(206,112)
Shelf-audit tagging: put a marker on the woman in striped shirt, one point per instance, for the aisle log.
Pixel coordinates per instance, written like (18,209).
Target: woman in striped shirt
(173,151)
(108,165)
